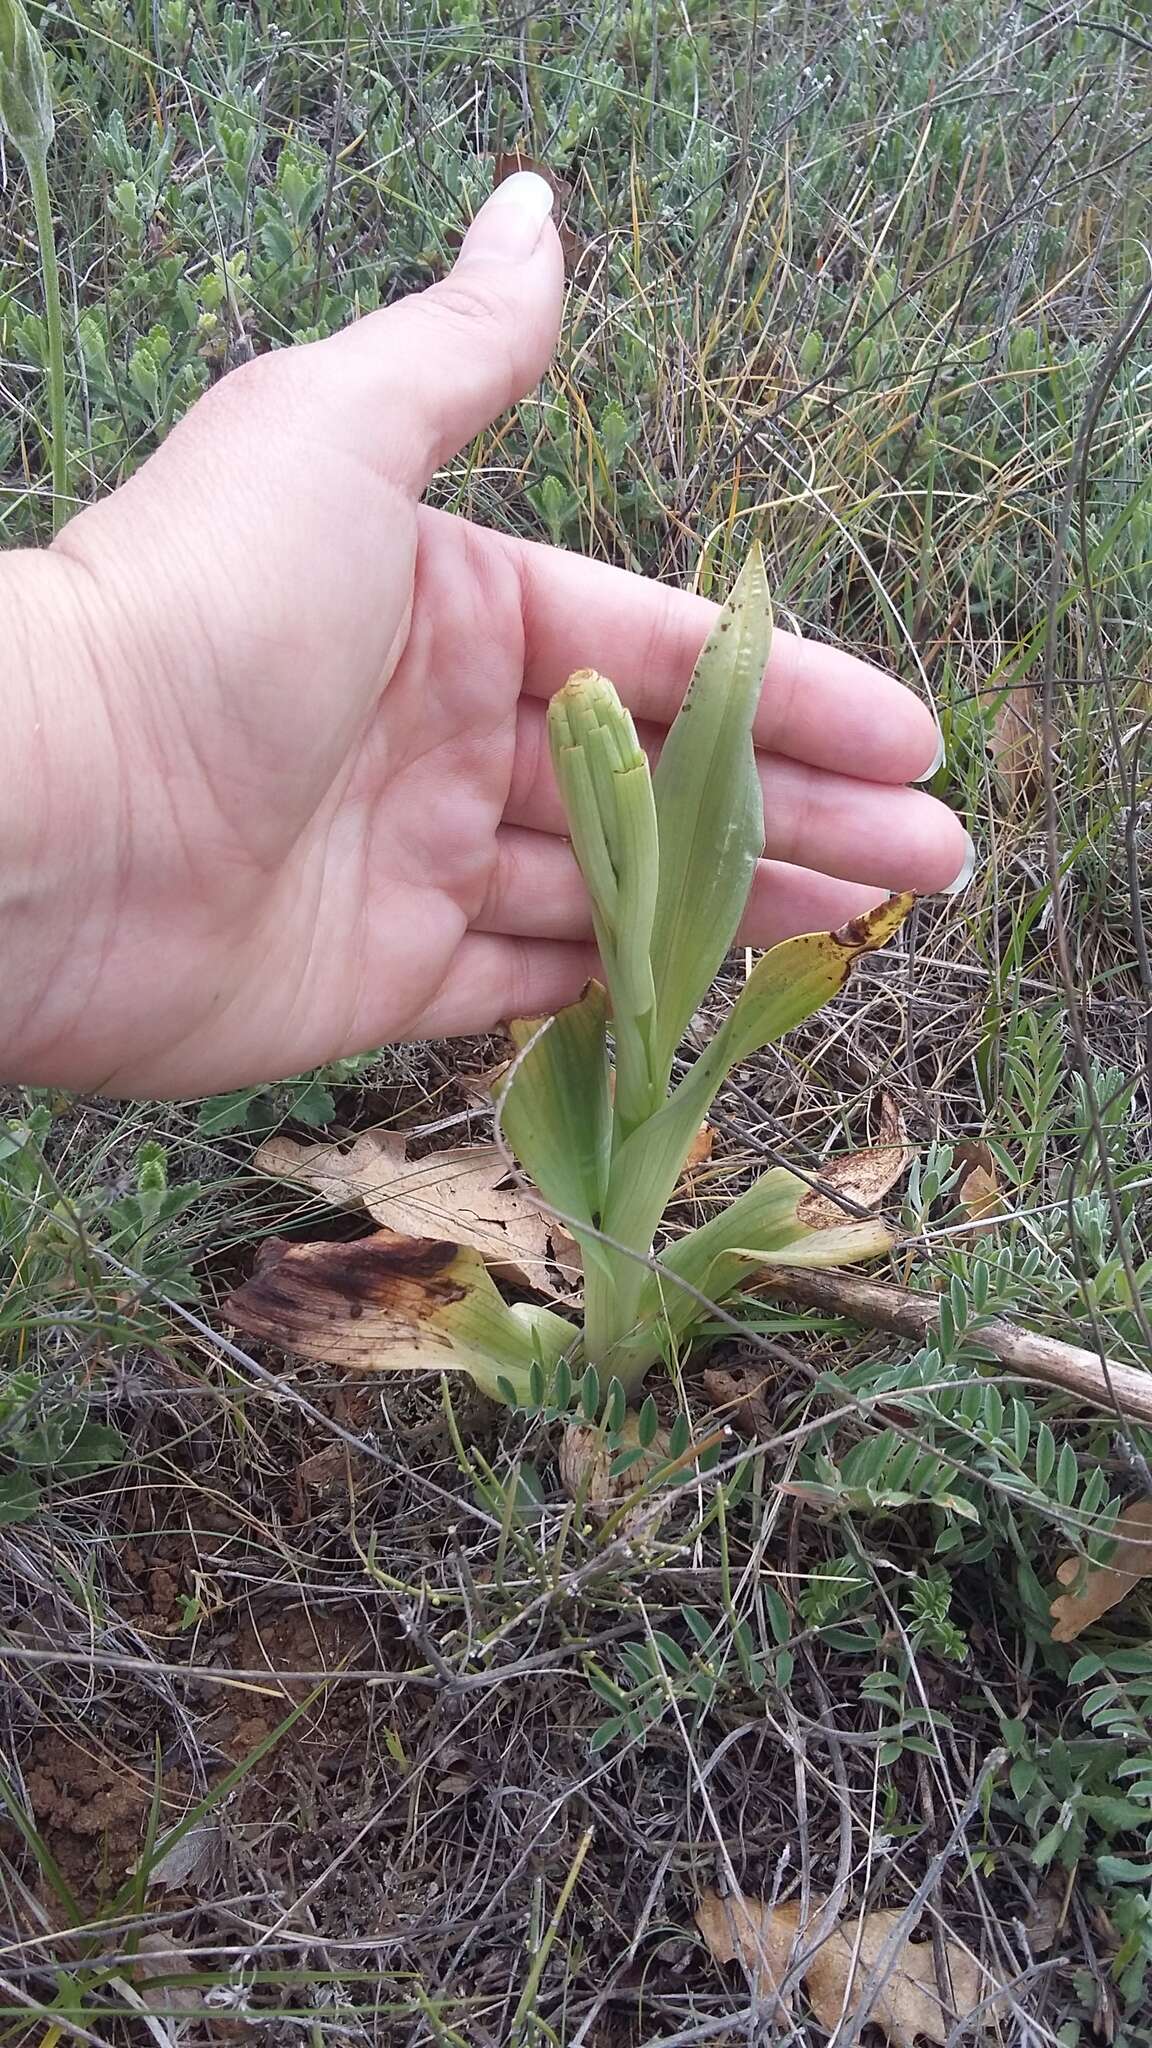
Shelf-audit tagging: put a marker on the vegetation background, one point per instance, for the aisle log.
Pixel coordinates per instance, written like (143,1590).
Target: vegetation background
(869,282)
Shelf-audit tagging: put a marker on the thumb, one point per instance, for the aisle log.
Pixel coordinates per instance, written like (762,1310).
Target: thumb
(457,355)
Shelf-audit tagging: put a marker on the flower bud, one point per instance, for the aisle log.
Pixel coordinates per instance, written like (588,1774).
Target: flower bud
(25,92)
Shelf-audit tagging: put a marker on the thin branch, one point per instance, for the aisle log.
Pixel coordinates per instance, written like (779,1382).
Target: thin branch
(878,1306)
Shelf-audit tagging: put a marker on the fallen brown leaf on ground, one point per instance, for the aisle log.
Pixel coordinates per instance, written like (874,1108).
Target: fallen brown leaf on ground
(1104,1585)
(585,1463)
(158,1958)
(762,1937)
(739,1392)
(862,1177)
(1014,741)
(978,1187)
(1046,1915)
(329,1471)
(906,2005)
(454,1195)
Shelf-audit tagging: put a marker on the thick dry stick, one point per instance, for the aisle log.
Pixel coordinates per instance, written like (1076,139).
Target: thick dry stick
(876,1305)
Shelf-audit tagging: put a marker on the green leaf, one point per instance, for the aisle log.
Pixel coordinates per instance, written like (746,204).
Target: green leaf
(625,1460)
(1114,1813)
(315,1104)
(760,1228)
(95,1447)
(701,1627)
(638,1663)
(679,1437)
(607,1732)
(230,1112)
(787,985)
(25,91)
(648,1423)
(556,1112)
(670,1651)
(1067,1476)
(709,810)
(605,1688)
(19,1497)
(1122,1870)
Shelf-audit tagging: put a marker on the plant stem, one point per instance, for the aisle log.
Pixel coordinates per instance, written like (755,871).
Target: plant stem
(50,280)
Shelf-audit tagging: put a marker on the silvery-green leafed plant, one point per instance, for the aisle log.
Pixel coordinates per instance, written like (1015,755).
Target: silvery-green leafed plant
(668,859)
(27,120)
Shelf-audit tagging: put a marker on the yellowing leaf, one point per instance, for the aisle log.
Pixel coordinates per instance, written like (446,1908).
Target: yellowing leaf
(1104,1585)
(385,1303)
(862,1177)
(455,1196)
(906,2002)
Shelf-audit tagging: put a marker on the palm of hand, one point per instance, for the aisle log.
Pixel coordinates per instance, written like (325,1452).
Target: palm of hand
(311,808)
(335,831)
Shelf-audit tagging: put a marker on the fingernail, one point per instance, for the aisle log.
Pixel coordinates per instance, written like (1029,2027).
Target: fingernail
(931,773)
(510,223)
(966,872)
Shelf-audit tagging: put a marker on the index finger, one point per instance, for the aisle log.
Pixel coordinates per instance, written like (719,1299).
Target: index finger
(819,705)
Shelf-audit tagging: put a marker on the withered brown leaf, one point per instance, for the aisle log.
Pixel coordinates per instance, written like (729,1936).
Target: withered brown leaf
(1104,1585)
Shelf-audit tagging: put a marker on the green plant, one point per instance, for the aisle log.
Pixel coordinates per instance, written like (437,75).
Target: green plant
(71,1260)
(26,117)
(668,860)
(307,1098)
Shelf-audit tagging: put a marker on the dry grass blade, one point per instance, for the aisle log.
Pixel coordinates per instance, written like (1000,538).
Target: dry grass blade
(1103,1586)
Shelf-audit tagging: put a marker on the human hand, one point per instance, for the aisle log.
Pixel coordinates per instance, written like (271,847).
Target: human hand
(293,796)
